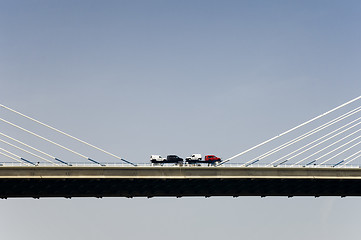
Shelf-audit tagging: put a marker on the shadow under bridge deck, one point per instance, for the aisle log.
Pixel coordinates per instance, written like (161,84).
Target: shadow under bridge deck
(177,181)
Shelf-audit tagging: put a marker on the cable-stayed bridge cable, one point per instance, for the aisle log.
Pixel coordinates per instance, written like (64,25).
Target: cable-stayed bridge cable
(15,140)
(45,139)
(319,143)
(345,144)
(291,130)
(24,150)
(8,156)
(309,133)
(328,146)
(66,134)
(343,151)
(352,158)
(23,160)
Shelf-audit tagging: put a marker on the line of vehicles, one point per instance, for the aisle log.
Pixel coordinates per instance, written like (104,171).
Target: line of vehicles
(193,159)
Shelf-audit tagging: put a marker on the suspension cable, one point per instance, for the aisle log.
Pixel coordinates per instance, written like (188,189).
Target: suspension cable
(292,129)
(66,134)
(332,136)
(309,133)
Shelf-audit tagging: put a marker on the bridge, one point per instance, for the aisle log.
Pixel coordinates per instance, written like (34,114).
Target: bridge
(318,162)
(147,181)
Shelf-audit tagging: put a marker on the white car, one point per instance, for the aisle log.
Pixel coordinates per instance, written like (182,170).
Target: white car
(194,158)
(157,159)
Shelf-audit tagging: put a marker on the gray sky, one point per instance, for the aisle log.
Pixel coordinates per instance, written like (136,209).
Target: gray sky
(157,77)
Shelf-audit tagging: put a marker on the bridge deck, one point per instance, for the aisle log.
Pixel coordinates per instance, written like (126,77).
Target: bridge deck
(177,181)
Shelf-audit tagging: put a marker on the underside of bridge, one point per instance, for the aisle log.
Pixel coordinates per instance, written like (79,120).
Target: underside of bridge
(37,188)
(37,182)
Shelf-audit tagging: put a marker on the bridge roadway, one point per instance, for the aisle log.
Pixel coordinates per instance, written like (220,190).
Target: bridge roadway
(177,181)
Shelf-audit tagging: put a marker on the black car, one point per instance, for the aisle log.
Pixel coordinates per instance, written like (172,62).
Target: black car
(174,159)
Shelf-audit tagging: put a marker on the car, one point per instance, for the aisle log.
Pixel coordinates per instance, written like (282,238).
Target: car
(174,159)
(194,158)
(157,159)
(212,159)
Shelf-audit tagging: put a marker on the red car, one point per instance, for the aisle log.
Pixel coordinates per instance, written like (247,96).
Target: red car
(212,159)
